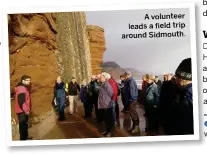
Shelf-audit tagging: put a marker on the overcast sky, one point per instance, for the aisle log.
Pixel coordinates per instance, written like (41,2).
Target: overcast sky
(160,55)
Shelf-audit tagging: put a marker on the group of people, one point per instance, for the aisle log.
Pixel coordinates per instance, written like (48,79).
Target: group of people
(101,94)
(168,103)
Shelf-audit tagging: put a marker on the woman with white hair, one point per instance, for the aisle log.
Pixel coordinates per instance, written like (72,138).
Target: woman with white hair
(104,103)
(60,97)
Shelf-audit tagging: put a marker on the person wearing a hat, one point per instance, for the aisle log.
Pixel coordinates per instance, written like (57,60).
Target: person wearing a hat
(131,98)
(183,76)
(22,105)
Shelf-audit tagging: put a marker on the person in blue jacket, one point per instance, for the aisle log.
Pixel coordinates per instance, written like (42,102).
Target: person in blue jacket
(60,97)
(131,97)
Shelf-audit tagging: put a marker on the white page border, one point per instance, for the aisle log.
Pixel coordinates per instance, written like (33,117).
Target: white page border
(6,76)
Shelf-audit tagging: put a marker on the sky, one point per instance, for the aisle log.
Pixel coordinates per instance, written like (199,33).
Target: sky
(155,55)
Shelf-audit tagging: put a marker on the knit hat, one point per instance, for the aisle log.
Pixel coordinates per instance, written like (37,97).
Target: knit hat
(184,70)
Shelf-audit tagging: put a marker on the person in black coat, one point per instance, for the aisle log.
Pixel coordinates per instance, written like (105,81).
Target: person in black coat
(73,88)
(84,96)
(185,104)
(94,86)
(122,87)
(168,106)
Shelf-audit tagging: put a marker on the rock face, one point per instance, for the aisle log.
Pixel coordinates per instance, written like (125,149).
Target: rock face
(73,45)
(32,48)
(44,45)
(97,47)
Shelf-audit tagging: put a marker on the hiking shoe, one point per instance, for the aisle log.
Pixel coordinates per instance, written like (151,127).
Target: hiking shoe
(104,133)
(108,135)
(132,128)
(135,130)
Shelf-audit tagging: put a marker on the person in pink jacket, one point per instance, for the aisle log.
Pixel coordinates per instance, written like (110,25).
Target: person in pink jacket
(23,105)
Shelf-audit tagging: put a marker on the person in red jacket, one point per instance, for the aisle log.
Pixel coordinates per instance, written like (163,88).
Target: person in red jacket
(115,106)
(23,106)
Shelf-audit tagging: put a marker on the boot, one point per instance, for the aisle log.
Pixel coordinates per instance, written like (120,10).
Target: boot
(130,129)
(135,130)
(108,134)
(104,133)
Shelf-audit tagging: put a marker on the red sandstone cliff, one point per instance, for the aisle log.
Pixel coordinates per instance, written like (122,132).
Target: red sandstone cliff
(97,47)
(32,51)
(32,47)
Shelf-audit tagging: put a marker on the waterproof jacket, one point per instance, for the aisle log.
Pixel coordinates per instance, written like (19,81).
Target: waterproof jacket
(59,90)
(73,88)
(115,88)
(84,94)
(22,99)
(94,87)
(152,94)
(131,90)
(105,95)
